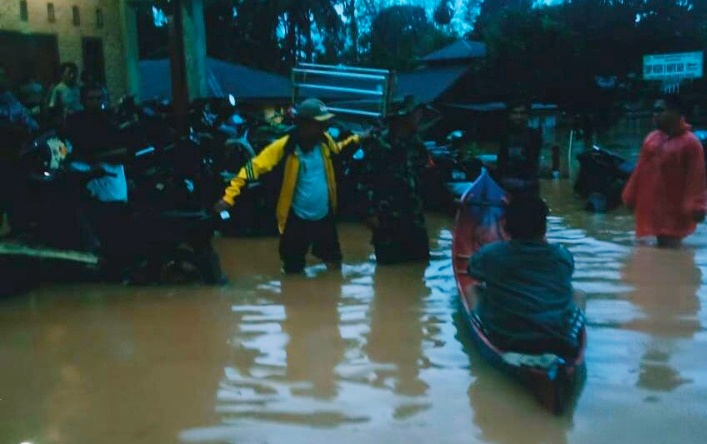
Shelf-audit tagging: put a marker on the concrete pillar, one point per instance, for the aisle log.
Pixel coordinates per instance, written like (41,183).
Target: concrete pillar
(195,48)
(128,30)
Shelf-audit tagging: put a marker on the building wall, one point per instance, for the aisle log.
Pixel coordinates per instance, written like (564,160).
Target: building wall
(69,37)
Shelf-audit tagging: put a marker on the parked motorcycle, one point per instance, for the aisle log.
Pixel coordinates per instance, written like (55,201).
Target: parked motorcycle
(602,177)
(452,173)
(160,236)
(220,143)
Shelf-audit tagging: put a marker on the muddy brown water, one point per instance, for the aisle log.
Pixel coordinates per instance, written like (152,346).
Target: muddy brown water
(379,354)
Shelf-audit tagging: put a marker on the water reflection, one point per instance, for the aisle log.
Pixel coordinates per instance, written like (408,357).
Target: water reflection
(615,226)
(287,352)
(371,357)
(666,284)
(81,364)
(311,323)
(502,409)
(396,332)
(504,422)
(327,351)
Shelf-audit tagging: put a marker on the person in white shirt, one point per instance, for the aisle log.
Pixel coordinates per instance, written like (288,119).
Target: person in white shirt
(65,98)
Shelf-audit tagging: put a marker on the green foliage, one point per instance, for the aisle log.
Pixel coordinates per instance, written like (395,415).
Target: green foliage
(443,13)
(562,53)
(272,34)
(401,34)
(275,34)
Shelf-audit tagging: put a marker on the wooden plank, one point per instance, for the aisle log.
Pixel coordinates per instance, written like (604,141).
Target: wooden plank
(18,249)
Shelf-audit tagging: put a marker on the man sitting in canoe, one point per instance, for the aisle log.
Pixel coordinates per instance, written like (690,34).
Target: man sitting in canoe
(526,301)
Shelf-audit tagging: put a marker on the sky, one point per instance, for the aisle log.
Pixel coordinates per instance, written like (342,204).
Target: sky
(459,23)
(430,4)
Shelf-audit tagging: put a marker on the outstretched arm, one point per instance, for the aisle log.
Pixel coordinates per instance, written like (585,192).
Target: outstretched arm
(259,165)
(348,142)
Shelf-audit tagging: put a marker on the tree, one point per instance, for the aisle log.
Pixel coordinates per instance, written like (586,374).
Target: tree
(491,10)
(401,34)
(272,34)
(582,54)
(443,13)
(302,17)
(353,30)
(244,32)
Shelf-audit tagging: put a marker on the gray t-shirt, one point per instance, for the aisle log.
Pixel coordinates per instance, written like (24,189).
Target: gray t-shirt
(311,199)
(67,96)
(528,294)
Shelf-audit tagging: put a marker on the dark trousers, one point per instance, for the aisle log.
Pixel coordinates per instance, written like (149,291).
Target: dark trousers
(300,235)
(400,240)
(110,222)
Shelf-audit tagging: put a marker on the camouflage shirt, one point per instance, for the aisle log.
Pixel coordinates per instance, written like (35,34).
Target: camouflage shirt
(392,175)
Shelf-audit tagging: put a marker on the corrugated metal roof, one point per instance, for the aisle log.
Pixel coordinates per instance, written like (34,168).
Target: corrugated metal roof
(459,50)
(498,106)
(222,78)
(428,85)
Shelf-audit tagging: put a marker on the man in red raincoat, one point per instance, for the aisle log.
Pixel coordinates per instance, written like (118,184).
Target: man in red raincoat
(667,191)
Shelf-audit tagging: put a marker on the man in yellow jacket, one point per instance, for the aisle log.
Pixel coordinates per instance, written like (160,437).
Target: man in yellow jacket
(307,203)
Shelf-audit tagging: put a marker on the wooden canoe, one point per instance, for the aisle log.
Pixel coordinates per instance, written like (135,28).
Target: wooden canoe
(552,379)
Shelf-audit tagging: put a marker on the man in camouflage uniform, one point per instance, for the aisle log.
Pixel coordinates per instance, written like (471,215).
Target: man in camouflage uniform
(394,164)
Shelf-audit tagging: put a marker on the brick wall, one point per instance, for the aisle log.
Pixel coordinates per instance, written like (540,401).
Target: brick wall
(69,37)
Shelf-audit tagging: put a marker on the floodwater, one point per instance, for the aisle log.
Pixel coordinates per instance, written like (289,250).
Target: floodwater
(374,355)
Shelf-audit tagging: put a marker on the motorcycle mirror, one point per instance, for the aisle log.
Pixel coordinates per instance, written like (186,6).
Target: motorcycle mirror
(334,132)
(232,99)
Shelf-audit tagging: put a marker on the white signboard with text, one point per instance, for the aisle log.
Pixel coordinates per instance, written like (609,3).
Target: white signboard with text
(685,65)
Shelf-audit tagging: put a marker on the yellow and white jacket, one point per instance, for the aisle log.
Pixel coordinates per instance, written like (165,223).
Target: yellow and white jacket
(271,156)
